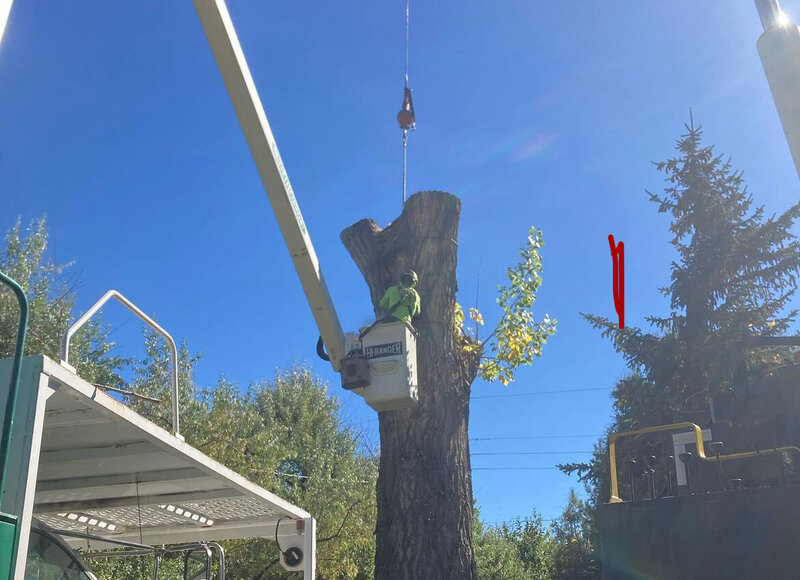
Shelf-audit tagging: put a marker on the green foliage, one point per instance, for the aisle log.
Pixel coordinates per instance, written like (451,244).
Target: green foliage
(496,556)
(518,338)
(574,554)
(130,568)
(321,470)
(533,544)
(284,434)
(520,550)
(51,301)
(734,275)
(151,378)
(525,550)
(595,478)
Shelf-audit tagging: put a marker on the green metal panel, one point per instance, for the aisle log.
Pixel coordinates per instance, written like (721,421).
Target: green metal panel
(9,412)
(22,434)
(8,543)
(19,452)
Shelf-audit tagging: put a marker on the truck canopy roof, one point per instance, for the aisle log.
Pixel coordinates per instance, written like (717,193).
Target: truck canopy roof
(104,468)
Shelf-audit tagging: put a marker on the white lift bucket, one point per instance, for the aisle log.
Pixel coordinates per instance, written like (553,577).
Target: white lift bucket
(391,351)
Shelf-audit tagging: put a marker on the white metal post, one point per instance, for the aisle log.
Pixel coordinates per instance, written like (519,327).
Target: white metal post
(34,428)
(310,549)
(173,375)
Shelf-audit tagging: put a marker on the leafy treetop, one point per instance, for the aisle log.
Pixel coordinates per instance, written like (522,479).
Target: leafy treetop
(518,337)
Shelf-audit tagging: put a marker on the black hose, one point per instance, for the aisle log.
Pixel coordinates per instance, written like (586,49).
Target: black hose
(321,350)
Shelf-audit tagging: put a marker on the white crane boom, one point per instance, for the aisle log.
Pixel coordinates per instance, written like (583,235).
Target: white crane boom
(392,344)
(243,93)
(242,90)
(5,9)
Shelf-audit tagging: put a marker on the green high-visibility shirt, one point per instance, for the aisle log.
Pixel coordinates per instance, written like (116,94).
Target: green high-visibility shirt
(401,302)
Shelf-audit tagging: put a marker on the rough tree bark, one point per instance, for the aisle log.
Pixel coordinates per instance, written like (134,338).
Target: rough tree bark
(424,489)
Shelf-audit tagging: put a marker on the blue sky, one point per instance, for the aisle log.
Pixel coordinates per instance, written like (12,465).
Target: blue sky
(116,125)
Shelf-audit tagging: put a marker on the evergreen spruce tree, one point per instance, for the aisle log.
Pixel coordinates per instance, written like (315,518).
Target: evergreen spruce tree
(733,276)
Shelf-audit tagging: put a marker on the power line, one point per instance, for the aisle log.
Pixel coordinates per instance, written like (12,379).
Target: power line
(336,479)
(535,437)
(539,393)
(528,452)
(504,395)
(499,438)
(295,475)
(359,423)
(511,468)
(495,523)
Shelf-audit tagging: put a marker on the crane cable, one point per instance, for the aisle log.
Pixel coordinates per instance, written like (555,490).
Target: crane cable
(408,22)
(406,118)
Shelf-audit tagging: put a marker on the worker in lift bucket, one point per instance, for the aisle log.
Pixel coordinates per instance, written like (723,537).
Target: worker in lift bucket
(402,301)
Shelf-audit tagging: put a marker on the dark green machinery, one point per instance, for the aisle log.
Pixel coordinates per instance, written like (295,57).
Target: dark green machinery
(9,536)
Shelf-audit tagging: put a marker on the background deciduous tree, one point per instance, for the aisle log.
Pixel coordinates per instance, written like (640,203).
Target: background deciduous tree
(517,550)
(50,288)
(524,549)
(574,552)
(284,434)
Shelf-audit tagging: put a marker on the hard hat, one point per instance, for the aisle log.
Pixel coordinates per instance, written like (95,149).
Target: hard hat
(410,275)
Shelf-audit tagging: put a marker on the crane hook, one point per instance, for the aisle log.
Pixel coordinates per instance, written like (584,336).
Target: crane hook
(406,118)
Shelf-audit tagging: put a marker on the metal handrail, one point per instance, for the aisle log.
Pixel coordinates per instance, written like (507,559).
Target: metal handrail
(137,549)
(701,451)
(152,323)
(11,400)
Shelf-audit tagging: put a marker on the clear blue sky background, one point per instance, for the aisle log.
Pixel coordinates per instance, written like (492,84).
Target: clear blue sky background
(115,123)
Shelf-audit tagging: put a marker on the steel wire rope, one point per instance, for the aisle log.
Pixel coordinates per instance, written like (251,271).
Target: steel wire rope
(408,26)
(513,468)
(487,453)
(519,437)
(539,393)
(406,93)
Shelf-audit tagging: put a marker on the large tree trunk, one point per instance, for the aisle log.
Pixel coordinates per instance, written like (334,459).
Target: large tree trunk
(424,490)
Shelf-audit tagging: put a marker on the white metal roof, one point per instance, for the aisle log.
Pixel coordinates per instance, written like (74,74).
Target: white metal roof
(101,461)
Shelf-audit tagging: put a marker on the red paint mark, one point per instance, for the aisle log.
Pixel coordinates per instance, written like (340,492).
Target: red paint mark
(618,256)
